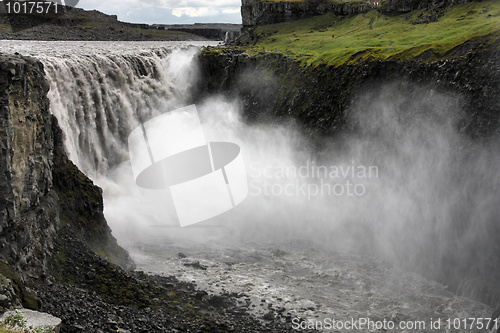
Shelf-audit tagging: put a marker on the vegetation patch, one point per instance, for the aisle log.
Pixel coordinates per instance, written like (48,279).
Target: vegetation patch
(340,40)
(27,299)
(16,323)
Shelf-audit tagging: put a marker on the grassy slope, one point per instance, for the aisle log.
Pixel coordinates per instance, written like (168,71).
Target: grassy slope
(377,36)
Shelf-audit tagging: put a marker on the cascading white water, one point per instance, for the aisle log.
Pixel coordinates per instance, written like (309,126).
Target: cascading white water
(100,99)
(100,92)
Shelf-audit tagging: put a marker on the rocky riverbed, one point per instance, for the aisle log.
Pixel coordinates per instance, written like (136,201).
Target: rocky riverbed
(300,280)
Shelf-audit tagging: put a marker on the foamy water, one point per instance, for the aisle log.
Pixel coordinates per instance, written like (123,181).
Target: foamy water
(308,282)
(44,49)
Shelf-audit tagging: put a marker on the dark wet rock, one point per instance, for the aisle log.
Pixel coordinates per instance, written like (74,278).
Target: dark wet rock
(28,208)
(268,316)
(200,295)
(84,311)
(196,264)
(181,255)
(8,297)
(275,87)
(42,191)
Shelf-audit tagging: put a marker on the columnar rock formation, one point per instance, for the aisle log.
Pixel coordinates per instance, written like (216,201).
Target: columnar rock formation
(256,13)
(28,206)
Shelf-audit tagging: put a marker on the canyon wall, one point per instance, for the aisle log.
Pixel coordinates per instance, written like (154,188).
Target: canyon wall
(275,85)
(255,13)
(42,193)
(29,210)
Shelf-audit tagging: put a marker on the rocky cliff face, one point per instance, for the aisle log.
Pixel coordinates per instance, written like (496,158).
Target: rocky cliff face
(320,96)
(255,13)
(29,209)
(42,193)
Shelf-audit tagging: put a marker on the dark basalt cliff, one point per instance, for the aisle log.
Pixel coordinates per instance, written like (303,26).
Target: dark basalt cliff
(29,203)
(255,13)
(274,85)
(404,6)
(42,193)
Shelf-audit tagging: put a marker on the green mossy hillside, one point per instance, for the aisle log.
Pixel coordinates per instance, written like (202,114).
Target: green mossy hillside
(421,34)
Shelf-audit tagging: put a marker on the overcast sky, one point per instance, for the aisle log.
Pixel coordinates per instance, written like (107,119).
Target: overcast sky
(168,11)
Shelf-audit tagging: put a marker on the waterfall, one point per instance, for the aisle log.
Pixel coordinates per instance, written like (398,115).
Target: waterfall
(433,207)
(99,99)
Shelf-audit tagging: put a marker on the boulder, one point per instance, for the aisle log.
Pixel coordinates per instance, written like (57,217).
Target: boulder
(37,319)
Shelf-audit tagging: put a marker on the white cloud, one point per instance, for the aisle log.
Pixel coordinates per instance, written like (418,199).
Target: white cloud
(231,10)
(195,12)
(192,3)
(168,11)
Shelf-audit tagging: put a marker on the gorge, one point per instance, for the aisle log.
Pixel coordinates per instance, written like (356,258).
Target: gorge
(430,128)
